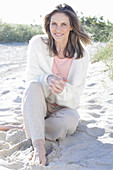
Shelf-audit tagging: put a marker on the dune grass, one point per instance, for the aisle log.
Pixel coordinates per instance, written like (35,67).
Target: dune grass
(100,30)
(18,32)
(106,55)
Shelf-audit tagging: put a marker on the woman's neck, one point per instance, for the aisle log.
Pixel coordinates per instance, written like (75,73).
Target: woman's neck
(60,49)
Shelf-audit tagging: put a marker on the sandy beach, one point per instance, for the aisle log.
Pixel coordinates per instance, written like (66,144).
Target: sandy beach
(89,148)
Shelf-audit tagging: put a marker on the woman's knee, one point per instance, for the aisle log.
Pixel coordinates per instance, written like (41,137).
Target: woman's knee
(62,123)
(71,114)
(72,120)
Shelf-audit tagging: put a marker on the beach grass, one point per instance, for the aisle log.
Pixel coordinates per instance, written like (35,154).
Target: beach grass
(99,29)
(106,55)
(18,32)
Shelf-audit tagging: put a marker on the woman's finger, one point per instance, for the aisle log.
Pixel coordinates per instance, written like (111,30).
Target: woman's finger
(56,84)
(55,89)
(59,82)
(52,90)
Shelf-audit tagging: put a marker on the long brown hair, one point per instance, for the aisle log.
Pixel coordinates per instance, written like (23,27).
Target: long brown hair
(76,35)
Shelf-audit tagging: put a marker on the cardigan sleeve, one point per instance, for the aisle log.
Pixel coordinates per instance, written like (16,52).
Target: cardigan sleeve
(33,70)
(70,96)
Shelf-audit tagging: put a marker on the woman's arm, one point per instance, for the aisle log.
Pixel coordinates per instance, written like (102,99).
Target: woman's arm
(33,70)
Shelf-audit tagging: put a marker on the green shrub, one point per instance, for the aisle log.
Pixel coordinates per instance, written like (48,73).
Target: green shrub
(98,28)
(18,33)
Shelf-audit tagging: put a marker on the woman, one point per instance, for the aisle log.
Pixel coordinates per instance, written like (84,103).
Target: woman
(56,73)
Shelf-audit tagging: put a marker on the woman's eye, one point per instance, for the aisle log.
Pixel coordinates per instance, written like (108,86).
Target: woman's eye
(53,23)
(63,24)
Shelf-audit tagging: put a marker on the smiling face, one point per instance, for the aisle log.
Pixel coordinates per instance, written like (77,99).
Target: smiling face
(60,27)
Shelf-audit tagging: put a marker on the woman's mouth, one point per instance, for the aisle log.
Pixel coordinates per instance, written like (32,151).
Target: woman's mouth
(58,34)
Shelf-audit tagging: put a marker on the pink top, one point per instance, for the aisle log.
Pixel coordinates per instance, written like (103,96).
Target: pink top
(61,67)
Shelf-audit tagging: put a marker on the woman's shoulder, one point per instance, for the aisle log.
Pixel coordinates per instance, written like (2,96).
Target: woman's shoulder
(37,40)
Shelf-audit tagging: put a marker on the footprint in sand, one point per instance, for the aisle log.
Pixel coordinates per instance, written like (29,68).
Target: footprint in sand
(91,107)
(92,84)
(94,115)
(110,101)
(21,88)
(95,131)
(18,99)
(102,111)
(18,110)
(111,127)
(6,91)
(93,93)
(111,135)
(4,109)
(92,101)
(13,78)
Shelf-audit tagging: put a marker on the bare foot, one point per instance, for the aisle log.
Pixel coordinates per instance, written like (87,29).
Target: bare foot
(39,152)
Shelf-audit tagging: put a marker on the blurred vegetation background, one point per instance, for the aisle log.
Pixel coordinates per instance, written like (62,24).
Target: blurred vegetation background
(98,29)
(18,32)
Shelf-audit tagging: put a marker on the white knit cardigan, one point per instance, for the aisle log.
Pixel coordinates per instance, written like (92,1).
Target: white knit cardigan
(39,66)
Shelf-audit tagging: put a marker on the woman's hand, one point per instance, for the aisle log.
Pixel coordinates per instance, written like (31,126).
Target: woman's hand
(56,83)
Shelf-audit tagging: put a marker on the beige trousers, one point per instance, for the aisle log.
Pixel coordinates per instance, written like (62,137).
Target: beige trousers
(43,120)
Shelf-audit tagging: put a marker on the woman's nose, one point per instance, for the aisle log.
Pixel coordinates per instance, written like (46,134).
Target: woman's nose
(58,28)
